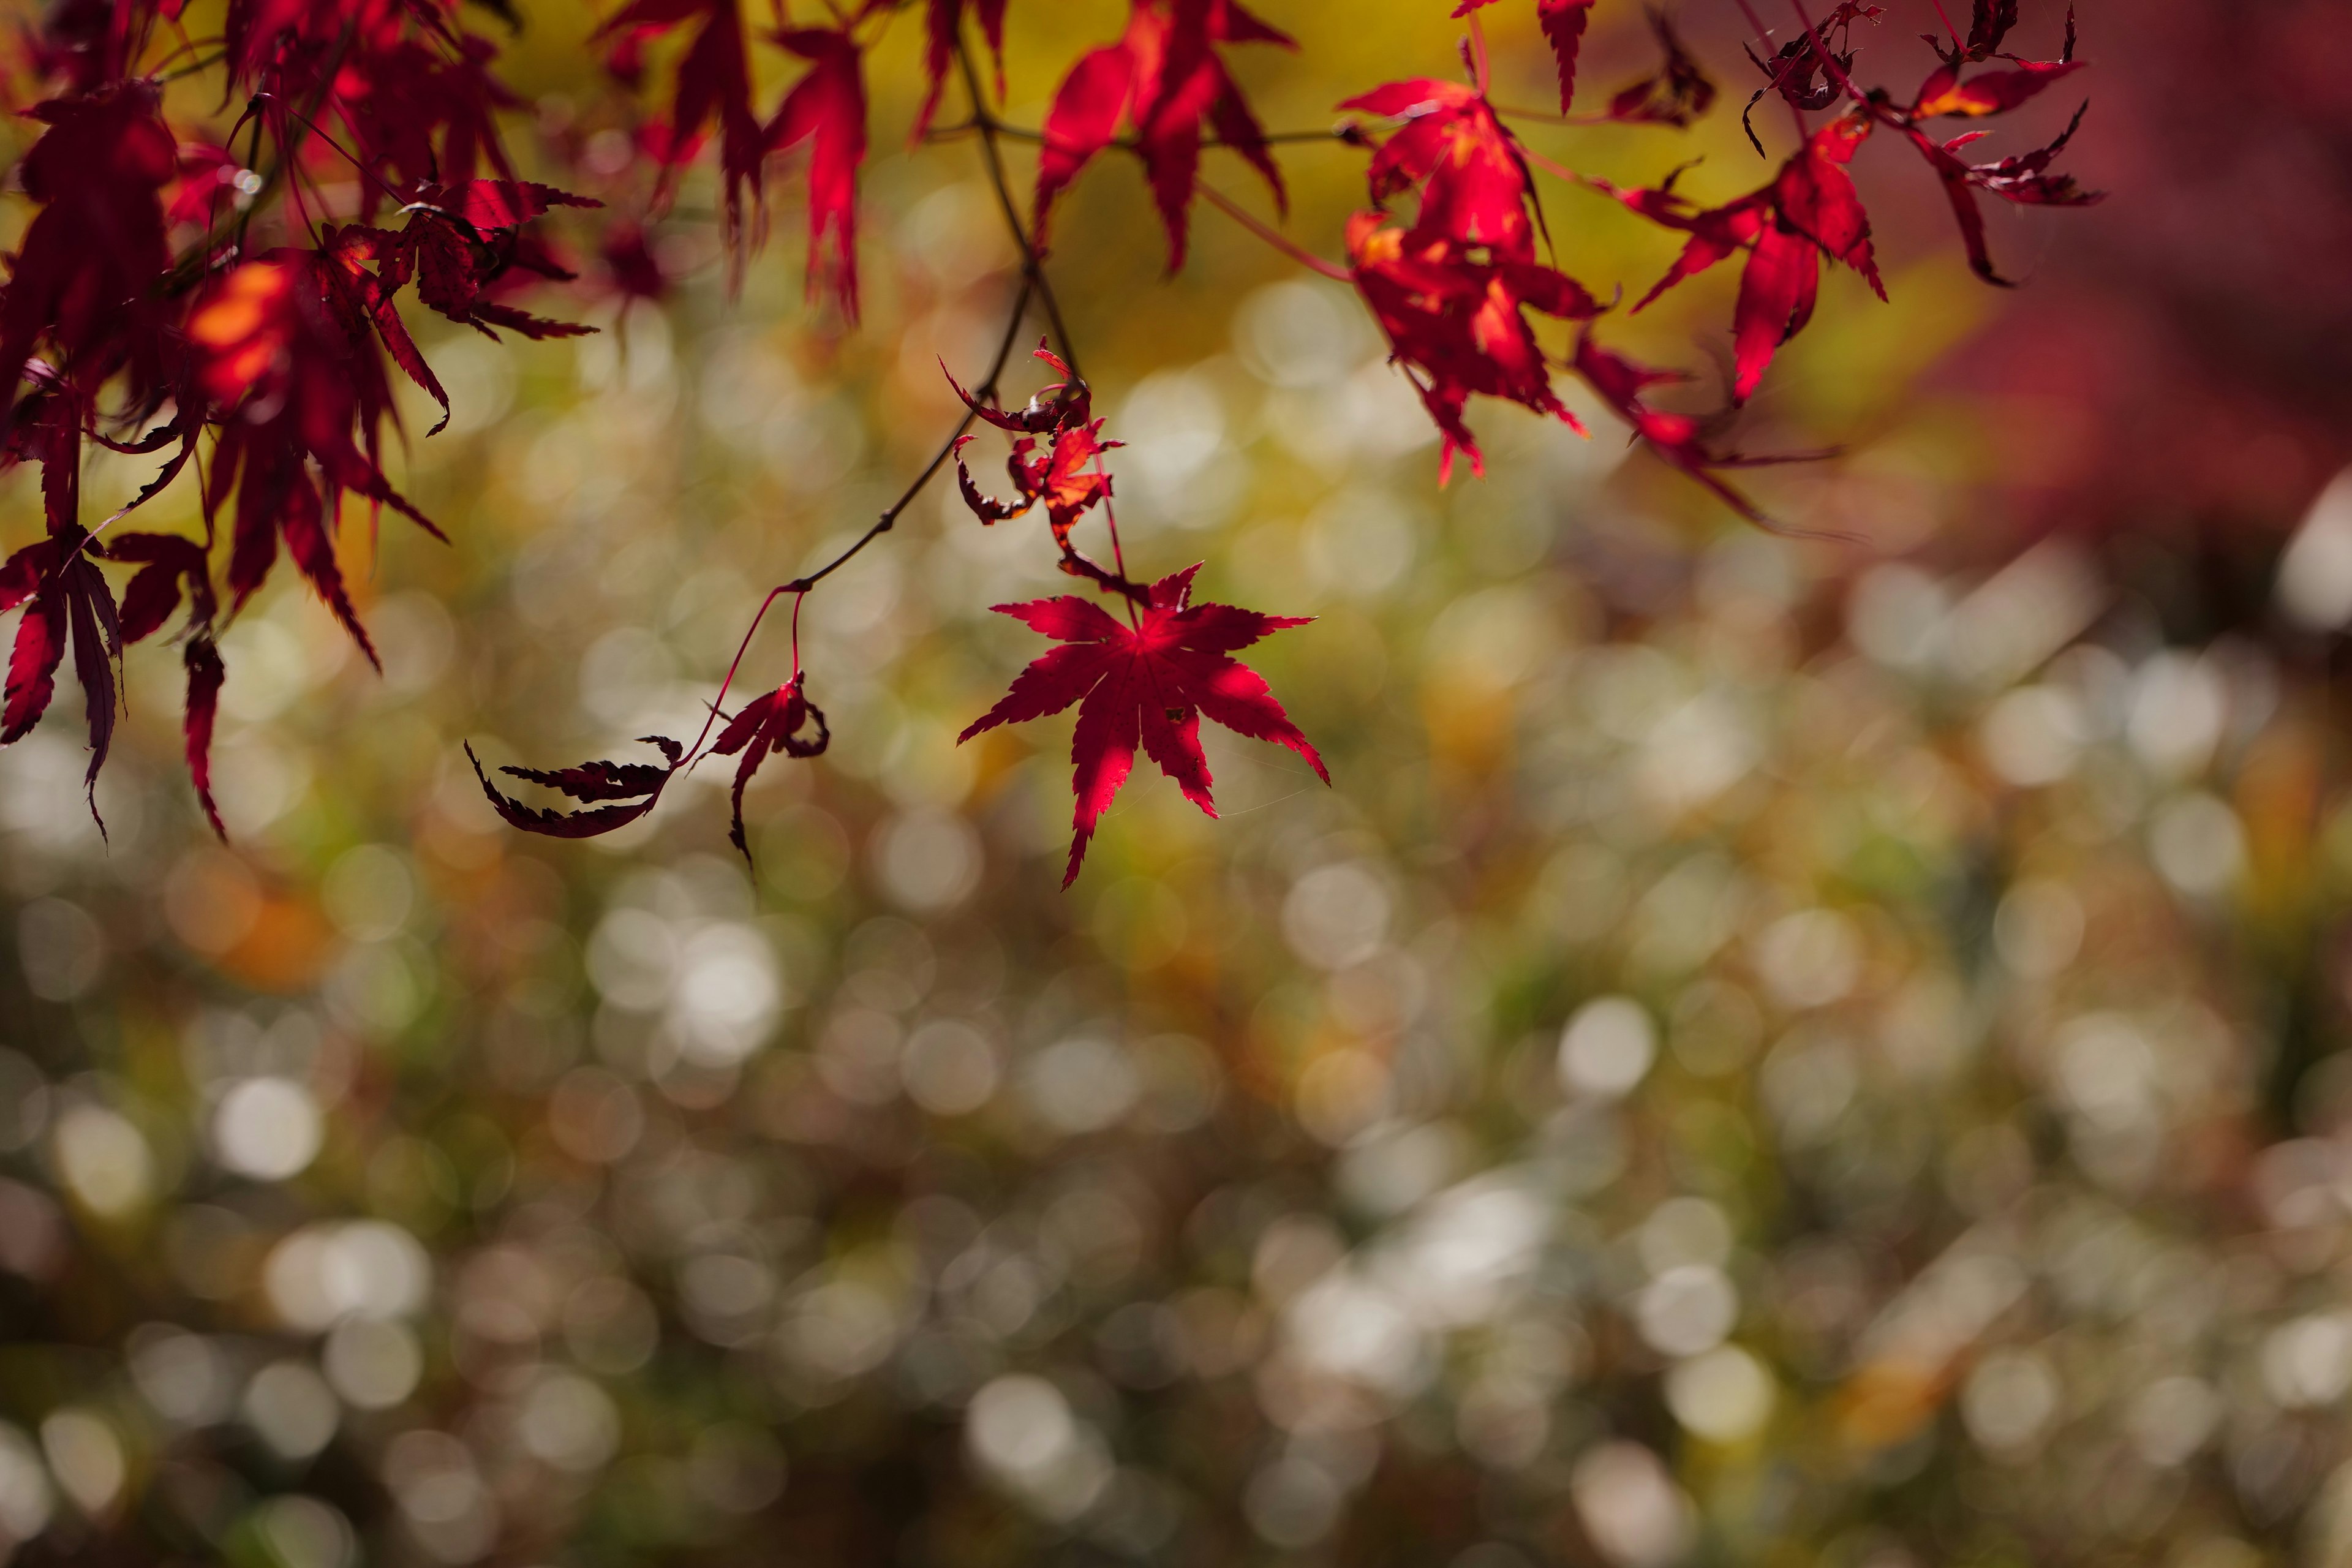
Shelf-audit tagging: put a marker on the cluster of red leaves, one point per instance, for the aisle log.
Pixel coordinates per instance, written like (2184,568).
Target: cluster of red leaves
(1146,682)
(1161,80)
(169,291)
(1450,290)
(176,287)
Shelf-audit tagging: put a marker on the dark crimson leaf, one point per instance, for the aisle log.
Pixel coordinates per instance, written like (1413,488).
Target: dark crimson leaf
(1676,94)
(769,723)
(596,781)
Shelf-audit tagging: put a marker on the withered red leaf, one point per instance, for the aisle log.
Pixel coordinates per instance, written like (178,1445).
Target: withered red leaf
(632,789)
(769,723)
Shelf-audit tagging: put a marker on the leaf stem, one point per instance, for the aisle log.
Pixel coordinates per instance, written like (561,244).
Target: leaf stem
(1273,236)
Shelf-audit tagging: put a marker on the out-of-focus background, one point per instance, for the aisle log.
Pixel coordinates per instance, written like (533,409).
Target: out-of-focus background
(1768,1053)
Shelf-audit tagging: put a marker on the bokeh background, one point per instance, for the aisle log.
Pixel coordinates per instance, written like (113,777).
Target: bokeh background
(1768,1053)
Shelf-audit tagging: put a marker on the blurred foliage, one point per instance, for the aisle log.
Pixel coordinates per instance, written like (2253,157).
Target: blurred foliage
(1769,1053)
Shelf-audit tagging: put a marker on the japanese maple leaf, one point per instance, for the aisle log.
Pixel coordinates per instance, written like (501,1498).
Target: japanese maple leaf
(1161,79)
(62,591)
(291,388)
(2024,179)
(1676,93)
(1678,439)
(1989,22)
(769,723)
(1798,72)
(462,247)
(84,274)
(713,83)
(1563,23)
(826,109)
(1476,189)
(171,563)
(425,111)
(1993,91)
(943,22)
(617,793)
(1148,685)
(1810,209)
(1460,323)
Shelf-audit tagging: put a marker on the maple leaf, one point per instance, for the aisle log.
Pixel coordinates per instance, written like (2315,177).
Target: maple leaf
(942,24)
(769,723)
(154,592)
(1476,189)
(2024,179)
(206,183)
(425,109)
(1676,93)
(713,81)
(1460,323)
(1989,22)
(1163,78)
(461,246)
(1678,439)
(62,591)
(1146,685)
(826,109)
(631,270)
(289,387)
(1562,23)
(1810,209)
(617,793)
(1057,407)
(1798,72)
(84,272)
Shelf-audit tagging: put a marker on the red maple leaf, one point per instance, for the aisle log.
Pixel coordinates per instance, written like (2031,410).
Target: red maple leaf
(154,592)
(1810,209)
(1476,189)
(713,81)
(1163,78)
(1800,73)
(1678,439)
(1148,685)
(943,21)
(826,108)
(769,723)
(425,109)
(60,588)
(1676,93)
(1563,23)
(1459,322)
(2024,178)
(291,386)
(84,274)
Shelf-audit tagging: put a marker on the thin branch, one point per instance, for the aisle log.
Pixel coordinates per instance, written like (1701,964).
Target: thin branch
(1032,267)
(985,391)
(1764,36)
